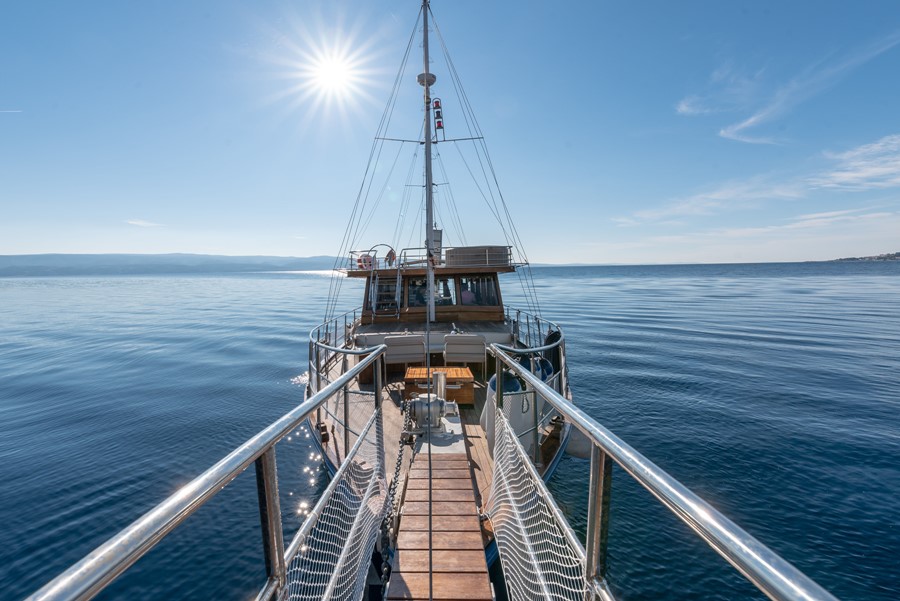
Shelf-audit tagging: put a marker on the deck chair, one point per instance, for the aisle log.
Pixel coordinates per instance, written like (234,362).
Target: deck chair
(403,349)
(465,349)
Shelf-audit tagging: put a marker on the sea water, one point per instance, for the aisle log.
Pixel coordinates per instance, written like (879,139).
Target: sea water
(773,391)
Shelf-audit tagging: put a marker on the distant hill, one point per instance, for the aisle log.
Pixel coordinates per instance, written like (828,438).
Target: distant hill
(887,257)
(62,264)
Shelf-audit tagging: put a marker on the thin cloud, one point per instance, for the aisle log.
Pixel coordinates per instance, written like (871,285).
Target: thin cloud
(11,111)
(727,90)
(143,223)
(866,167)
(872,166)
(693,105)
(730,195)
(804,222)
(803,87)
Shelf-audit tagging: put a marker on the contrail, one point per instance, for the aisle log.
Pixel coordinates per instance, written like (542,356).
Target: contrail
(16,111)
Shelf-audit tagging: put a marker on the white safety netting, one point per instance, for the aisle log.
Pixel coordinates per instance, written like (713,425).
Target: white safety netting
(540,559)
(333,558)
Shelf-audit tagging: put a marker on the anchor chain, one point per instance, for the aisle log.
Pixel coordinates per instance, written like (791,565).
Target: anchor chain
(395,482)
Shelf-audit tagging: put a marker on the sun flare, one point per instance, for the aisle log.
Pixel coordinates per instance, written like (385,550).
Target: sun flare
(333,75)
(326,70)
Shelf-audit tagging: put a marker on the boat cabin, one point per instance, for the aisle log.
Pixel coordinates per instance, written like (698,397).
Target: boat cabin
(466,284)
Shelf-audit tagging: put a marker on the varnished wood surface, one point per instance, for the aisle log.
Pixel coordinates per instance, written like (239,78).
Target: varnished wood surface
(442,494)
(444,587)
(442,561)
(447,523)
(454,374)
(482,467)
(440,548)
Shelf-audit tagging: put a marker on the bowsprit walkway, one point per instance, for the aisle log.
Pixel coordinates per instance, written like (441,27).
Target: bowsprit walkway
(458,570)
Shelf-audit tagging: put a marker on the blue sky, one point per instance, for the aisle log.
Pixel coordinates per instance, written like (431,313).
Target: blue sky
(621,132)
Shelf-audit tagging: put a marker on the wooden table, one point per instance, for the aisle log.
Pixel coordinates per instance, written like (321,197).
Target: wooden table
(460,383)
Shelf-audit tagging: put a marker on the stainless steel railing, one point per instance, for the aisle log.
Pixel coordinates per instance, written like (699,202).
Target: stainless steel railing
(771,574)
(102,566)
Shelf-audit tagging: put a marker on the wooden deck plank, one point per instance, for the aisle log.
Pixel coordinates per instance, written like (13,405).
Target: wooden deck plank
(458,495)
(440,484)
(439,508)
(444,561)
(440,464)
(444,587)
(448,541)
(479,457)
(442,456)
(444,523)
(418,473)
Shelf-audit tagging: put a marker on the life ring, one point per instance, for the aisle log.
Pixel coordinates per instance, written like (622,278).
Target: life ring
(364,262)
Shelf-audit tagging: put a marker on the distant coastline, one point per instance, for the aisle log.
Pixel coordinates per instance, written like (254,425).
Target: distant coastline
(49,265)
(885,257)
(166,264)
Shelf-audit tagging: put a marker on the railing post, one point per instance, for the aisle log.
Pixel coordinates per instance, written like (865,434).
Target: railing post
(270,517)
(499,397)
(376,367)
(598,515)
(537,435)
(346,391)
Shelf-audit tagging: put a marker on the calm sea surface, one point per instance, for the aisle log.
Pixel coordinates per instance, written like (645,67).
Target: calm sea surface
(773,391)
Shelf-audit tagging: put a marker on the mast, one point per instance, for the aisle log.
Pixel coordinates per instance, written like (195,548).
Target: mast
(427,79)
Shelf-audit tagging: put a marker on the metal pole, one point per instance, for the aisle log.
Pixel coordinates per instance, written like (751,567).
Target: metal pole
(270,517)
(537,421)
(427,80)
(346,410)
(598,514)
(499,376)
(380,426)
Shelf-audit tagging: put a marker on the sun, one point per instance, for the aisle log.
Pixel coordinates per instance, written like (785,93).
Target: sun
(334,75)
(323,70)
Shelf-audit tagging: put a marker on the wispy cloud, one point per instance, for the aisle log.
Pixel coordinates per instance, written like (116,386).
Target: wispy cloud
(10,111)
(728,90)
(804,86)
(866,167)
(729,195)
(805,222)
(143,223)
(872,166)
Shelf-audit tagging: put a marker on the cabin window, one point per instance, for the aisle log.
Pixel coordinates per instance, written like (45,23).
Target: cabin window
(478,291)
(416,289)
(444,292)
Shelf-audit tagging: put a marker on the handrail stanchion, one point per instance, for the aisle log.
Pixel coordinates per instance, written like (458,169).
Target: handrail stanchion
(270,518)
(376,370)
(498,398)
(598,514)
(536,435)
(346,393)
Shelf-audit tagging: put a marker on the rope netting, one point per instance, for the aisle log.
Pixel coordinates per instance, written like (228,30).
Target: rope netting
(540,557)
(333,559)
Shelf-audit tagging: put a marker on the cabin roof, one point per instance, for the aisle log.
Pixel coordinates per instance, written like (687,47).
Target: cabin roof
(421,271)
(458,260)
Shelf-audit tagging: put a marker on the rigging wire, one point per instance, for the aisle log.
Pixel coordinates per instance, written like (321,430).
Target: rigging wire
(336,276)
(380,197)
(454,212)
(527,279)
(404,202)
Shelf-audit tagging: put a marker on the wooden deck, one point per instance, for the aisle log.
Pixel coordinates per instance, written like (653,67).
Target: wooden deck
(440,553)
(482,466)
